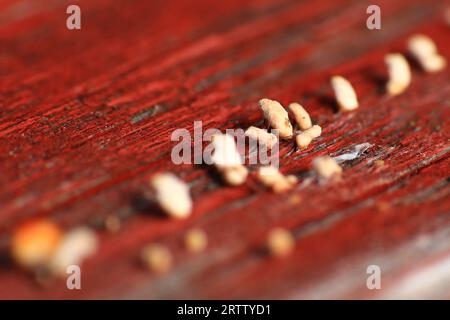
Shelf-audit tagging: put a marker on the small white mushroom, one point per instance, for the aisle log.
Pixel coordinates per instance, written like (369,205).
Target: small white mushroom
(225,153)
(271,177)
(156,258)
(326,167)
(227,160)
(399,73)
(315,131)
(277,117)
(75,246)
(422,46)
(280,242)
(304,138)
(236,175)
(112,223)
(196,240)
(301,116)
(172,195)
(425,52)
(344,93)
(262,136)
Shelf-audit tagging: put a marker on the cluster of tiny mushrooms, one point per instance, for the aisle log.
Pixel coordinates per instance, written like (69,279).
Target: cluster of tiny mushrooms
(42,243)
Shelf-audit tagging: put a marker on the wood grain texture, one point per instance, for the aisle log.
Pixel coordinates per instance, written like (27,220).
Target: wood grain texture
(86,118)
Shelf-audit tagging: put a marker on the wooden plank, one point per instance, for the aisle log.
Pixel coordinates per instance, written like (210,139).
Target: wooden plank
(86,118)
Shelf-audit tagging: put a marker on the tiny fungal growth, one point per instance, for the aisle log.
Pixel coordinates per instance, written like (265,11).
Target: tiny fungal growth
(344,93)
(195,240)
(274,179)
(262,136)
(280,242)
(378,163)
(112,224)
(399,73)
(277,117)
(301,116)
(236,175)
(34,243)
(326,167)
(227,160)
(156,258)
(424,50)
(75,246)
(172,195)
(304,138)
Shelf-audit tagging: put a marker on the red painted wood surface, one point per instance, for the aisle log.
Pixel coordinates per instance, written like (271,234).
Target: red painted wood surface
(86,118)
